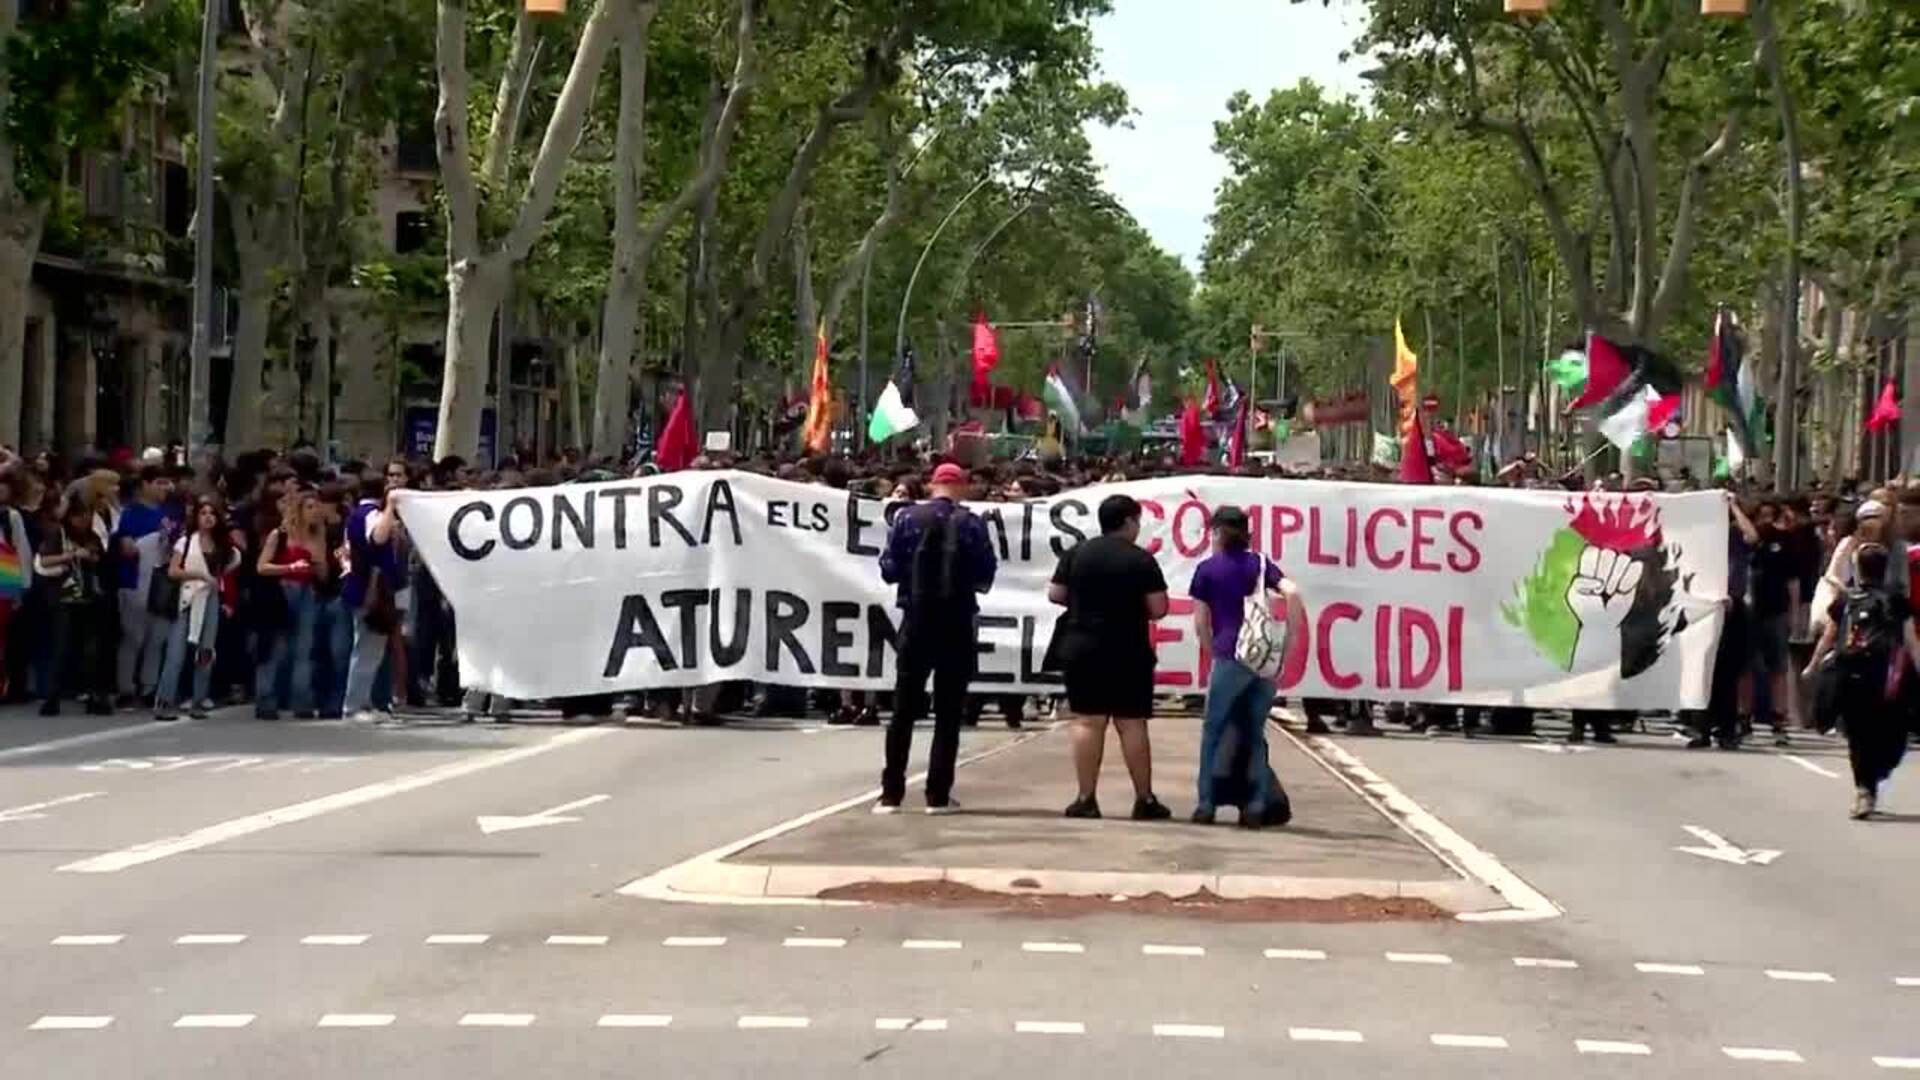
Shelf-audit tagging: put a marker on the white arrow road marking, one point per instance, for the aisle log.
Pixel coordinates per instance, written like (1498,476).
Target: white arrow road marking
(493,823)
(153,850)
(1720,849)
(33,811)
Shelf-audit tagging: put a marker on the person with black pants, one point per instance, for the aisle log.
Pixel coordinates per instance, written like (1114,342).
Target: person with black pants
(939,558)
(1869,636)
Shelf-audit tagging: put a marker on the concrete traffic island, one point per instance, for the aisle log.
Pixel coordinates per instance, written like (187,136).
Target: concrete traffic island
(1343,858)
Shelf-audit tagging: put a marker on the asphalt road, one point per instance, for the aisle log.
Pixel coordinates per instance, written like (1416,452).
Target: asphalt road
(232,899)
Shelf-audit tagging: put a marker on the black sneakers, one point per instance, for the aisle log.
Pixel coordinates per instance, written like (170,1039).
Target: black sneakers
(1150,809)
(1087,807)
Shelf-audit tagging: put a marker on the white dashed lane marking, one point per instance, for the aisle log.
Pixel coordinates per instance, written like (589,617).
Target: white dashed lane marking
(1418,958)
(1799,976)
(214,1020)
(1544,962)
(89,939)
(513,1020)
(1469,1042)
(355,1020)
(694,942)
(1049,1027)
(901,1023)
(70,1023)
(773,1023)
(1608,1046)
(1172,950)
(1296,954)
(1907,980)
(1052,947)
(815,942)
(1334,1035)
(1670,969)
(1189,1031)
(457,939)
(335,939)
(1761,1053)
(635,1020)
(1911,1063)
(576,939)
(209,939)
(930,944)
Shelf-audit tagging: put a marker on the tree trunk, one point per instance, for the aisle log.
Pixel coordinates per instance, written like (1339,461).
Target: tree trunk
(474,292)
(20,228)
(245,395)
(1786,447)
(806,312)
(620,318)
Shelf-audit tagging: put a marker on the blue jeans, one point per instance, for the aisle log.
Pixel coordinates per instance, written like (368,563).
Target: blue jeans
(334,632)
(289,656)
(1237,698)
(364,668)
(179,654)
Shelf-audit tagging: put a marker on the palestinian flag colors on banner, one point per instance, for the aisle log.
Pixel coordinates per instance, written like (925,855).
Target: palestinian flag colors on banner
(1731,382)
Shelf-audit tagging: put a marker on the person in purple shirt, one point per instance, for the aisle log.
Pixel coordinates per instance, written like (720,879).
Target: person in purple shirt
(1238,697)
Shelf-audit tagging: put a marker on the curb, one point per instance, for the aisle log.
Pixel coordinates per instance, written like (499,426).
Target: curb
(717,881)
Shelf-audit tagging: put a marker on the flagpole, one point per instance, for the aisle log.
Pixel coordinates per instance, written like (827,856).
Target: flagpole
(866,280)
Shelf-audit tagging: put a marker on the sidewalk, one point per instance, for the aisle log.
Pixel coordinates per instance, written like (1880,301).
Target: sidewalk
(1009,838)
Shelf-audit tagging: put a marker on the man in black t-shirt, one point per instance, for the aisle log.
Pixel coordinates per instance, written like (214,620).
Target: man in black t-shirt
(1112,590)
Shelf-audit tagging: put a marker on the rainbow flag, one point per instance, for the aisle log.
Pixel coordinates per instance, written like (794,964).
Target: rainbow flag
(13,578)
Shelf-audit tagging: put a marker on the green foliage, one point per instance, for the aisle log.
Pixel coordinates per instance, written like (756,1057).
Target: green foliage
(70,76)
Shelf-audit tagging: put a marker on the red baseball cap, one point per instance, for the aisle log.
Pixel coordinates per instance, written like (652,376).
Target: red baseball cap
(949,473)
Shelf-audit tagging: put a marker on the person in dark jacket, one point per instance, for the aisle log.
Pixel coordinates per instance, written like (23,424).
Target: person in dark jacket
(939,559)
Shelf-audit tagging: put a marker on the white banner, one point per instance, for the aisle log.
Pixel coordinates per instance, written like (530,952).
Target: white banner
(1435,594)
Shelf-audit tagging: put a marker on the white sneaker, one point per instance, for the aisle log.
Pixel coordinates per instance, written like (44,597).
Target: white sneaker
(369,716)
(942,811)
(884,809)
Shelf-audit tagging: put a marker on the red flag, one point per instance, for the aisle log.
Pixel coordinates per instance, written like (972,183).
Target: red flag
(1414,466)
(1237,444)
(1886,411)
(986,357)
(1212,404)
(1193,437)
(676,447)
(1606,370)
(1451,452)
(818,434)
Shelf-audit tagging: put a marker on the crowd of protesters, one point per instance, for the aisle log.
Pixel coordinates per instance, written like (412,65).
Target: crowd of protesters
(140,581)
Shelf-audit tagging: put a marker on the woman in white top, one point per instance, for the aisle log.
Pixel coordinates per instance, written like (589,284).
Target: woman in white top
(1839,576)
(199,559)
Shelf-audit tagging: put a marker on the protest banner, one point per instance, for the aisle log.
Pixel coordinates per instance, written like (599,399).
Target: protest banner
(1426,594)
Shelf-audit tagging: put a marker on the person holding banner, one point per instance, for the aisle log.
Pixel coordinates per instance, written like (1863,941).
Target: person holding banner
(939,558)
(1112,591)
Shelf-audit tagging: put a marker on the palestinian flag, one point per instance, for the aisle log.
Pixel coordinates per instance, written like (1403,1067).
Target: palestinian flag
(1060,400)
(1643,401)
(1607,368)
(893,413)
(1646,413)
(1568,371)
(1732,383)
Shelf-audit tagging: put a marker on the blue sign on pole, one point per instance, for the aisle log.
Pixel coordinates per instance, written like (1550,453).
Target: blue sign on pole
(421,423)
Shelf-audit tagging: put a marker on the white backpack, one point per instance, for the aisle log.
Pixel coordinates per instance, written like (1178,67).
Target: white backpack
(1263,640)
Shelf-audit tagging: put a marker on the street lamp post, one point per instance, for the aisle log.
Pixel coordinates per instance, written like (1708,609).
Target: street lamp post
(200,366)
(900,327)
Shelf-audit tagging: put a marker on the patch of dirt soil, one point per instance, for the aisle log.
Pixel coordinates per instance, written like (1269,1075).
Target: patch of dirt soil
(1203,904)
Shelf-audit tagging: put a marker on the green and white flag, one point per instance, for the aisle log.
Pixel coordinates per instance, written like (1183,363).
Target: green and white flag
(1736,457)
(1060,400)
(891,416)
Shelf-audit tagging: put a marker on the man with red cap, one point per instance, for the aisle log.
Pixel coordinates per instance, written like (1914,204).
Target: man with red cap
(939,559)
